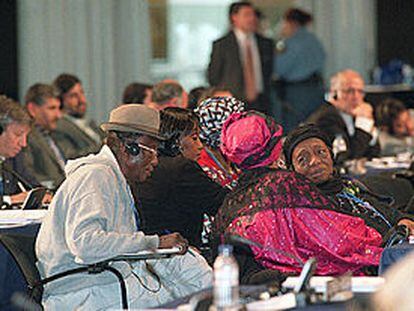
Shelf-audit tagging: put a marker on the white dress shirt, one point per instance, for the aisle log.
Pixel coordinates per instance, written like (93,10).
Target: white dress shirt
(257,67)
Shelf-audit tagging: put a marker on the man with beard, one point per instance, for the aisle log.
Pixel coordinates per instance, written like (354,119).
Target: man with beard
(93,217)
(43,158)
(76,135)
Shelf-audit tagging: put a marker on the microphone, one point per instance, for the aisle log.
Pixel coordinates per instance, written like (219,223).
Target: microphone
(19,177)
(245,241)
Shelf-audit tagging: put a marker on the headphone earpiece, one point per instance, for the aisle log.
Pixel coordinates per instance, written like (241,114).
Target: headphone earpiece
(1,128)
(132,148)
(170,148)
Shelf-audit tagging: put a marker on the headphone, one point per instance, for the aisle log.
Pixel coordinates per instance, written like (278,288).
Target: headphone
(170,147)
(132,148)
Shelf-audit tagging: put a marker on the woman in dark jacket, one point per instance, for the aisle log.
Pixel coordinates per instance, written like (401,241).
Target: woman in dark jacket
(179,193)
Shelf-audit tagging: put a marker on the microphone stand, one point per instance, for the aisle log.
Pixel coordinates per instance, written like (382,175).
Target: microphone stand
(302,291)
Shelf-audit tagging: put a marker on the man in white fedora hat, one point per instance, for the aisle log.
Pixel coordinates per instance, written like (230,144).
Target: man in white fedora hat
(93,217)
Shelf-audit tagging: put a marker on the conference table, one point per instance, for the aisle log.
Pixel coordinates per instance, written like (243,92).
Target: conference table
(249,293)
(379,165)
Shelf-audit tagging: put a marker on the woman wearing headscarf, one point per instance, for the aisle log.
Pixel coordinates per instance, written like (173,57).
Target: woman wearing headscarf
(284,212)
(309,152)
(178,193)
(212,113)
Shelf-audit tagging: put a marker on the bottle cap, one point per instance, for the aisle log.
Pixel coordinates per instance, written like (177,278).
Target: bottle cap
(225,249)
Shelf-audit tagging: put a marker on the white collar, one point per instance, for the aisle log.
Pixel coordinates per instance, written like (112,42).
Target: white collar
(242,36)
(349,122)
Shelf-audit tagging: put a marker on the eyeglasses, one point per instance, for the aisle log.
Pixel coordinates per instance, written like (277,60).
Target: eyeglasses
(351,90)
(149,149)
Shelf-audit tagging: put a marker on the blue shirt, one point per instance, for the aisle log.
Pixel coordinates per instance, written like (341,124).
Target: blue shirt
(303,56)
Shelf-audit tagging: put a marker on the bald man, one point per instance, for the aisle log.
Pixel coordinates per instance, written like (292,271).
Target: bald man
(347,119)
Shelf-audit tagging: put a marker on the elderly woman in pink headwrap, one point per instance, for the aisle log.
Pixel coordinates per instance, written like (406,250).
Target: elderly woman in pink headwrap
(283,211)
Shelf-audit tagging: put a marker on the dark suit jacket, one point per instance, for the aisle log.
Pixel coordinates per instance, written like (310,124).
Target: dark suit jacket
(40,160)
(73,141)
(21,174)
(328,118)
(226,69)
(175,197)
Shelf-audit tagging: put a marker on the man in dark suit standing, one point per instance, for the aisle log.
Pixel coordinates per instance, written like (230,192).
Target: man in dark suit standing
(347,119)
(76,135)
(242,60)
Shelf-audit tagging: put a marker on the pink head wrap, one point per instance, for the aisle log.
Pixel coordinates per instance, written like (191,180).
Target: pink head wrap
(251,139)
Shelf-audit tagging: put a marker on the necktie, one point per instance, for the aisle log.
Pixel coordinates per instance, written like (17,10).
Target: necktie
(56,151)
(249,78)
(1,184)
(1,179)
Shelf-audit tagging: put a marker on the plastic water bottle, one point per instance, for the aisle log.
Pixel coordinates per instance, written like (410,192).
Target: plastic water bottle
(226,280)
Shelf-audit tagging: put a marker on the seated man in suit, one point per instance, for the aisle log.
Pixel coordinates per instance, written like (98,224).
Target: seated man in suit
(15,125)
(43,158)
(76,135)
(347,119)
(94,217)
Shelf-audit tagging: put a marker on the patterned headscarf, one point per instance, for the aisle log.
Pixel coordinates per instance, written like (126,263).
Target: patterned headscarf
(251,139)
(212,113)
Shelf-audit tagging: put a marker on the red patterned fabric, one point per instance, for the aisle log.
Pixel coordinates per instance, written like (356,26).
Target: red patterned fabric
(282,210)
(217,174)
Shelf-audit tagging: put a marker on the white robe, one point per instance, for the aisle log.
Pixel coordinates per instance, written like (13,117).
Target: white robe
(91,219)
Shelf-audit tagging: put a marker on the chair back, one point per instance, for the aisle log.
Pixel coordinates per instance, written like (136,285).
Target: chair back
(22,249)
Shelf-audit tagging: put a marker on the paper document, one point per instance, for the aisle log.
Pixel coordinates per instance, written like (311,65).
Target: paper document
(167,251)
(18,218)
(149,254)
